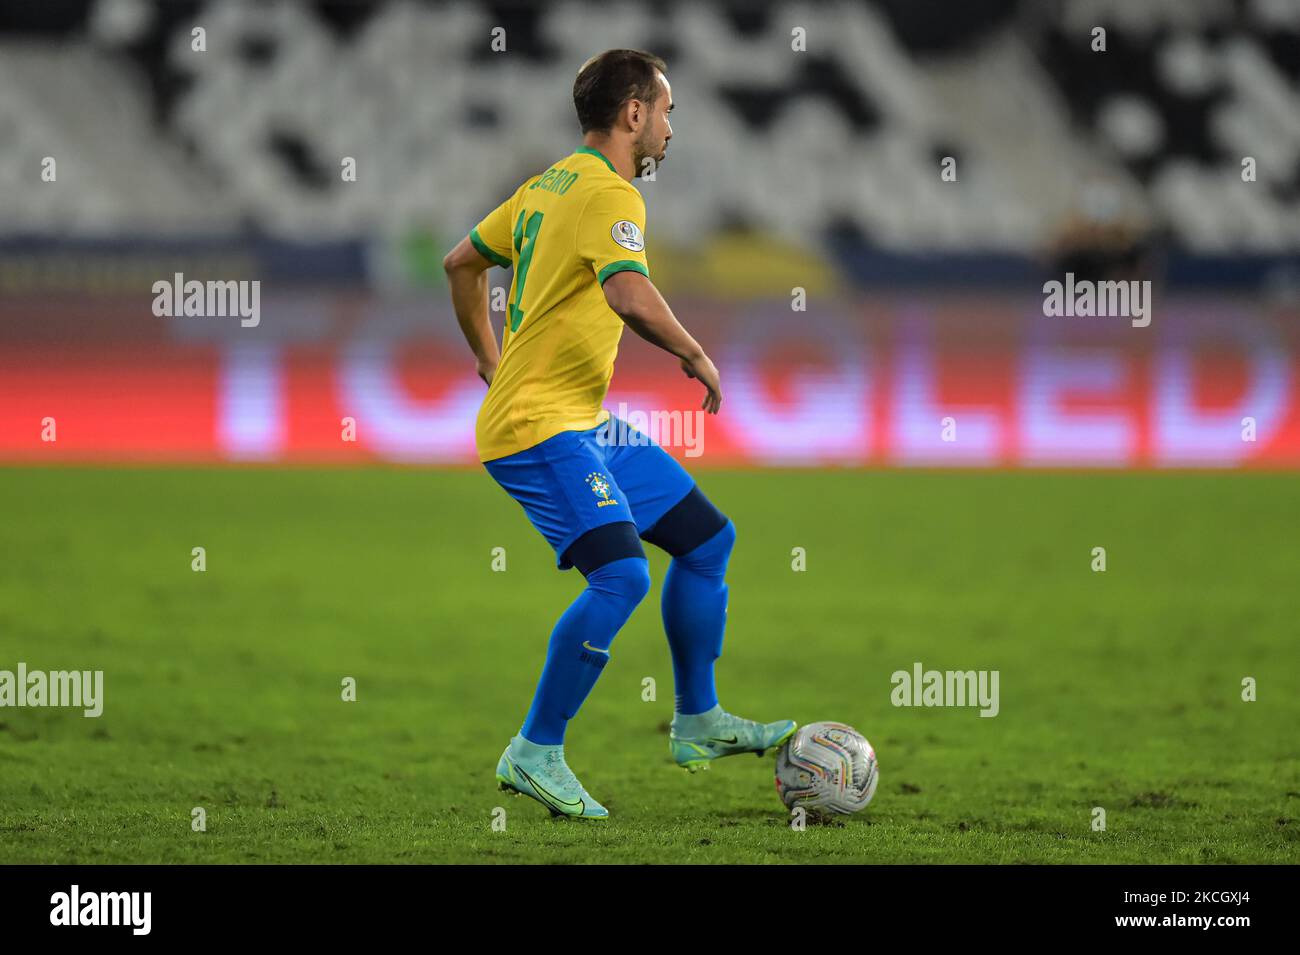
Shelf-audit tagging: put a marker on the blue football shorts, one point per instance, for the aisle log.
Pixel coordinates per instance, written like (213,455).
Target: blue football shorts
(577,481)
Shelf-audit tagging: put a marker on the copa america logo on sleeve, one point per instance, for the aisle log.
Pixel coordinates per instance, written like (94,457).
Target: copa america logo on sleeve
(628,235)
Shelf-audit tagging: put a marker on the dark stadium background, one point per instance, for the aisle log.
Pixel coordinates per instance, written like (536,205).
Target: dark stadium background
(817,170)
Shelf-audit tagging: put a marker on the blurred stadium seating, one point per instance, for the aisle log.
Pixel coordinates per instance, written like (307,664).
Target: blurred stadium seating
(816,169)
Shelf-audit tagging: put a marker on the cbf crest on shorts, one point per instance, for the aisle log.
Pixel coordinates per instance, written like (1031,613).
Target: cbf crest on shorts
(599,485)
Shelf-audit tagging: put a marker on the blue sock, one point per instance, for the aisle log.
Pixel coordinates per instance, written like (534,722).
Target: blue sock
(695,615)
(571,669)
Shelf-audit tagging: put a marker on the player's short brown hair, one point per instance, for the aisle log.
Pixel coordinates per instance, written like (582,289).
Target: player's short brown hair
(610,79)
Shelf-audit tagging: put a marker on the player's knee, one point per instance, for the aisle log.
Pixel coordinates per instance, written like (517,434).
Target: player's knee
(638,581)
(626,581)
(603,545)
(691,522)
(725,540)
(710,558)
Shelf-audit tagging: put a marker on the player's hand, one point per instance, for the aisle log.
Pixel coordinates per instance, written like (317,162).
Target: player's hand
(486,369)
(703,370)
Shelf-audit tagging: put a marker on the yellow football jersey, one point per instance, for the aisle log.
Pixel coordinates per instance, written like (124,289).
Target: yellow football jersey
(565,232)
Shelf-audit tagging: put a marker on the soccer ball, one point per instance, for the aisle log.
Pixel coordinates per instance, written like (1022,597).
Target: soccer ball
(826,767)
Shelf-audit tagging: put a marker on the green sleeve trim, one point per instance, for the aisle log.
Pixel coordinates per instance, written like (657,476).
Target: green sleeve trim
(625,265)
(486,252)
(588,151)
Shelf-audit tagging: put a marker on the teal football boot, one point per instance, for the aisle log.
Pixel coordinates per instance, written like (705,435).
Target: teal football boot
(697,740)
(541,773)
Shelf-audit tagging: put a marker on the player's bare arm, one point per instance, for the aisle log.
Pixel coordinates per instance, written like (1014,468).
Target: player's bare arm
(634,298)
(466,270)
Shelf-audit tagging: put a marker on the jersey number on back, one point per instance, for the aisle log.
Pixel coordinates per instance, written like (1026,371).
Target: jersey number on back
(525,243)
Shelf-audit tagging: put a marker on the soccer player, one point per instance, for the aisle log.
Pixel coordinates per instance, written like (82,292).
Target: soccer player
(575,237)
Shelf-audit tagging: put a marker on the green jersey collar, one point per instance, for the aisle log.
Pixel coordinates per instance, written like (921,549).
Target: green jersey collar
(587,150)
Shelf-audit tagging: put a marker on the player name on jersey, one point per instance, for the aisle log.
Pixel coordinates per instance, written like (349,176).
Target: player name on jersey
(556,180)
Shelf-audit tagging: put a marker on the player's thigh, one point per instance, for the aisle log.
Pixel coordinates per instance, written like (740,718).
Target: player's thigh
(652,479)
(670,510)
(565,488)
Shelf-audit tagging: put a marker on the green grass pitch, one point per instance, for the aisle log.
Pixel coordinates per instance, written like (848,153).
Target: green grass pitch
(1120,690)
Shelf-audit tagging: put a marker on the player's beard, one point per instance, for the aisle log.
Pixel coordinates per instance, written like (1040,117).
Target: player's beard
(646,147)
